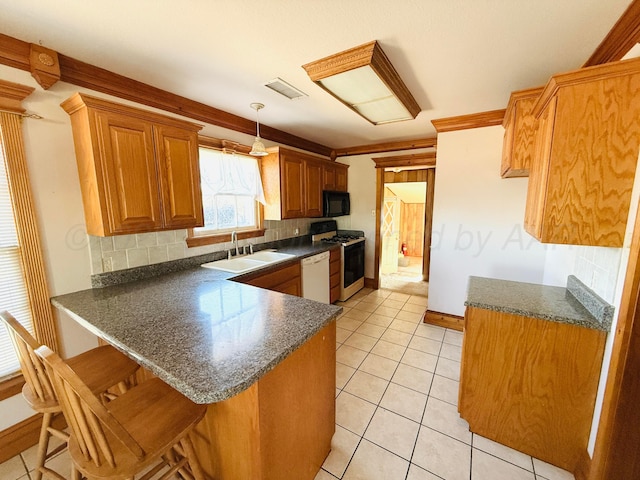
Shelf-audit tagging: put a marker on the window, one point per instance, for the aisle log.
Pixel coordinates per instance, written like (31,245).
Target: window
(13,291)
(231,193)
(23,286)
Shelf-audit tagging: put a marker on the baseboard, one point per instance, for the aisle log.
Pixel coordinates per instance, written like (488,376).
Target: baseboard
(23,435)
(446,320)
(583,468)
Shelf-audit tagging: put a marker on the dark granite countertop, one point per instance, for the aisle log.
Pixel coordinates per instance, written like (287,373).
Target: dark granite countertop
(576,304)
(206,336)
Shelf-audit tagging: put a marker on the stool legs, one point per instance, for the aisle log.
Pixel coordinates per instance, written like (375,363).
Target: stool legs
(43,444)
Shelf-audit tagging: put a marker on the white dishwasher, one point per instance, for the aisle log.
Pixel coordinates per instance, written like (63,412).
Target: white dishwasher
(315,277)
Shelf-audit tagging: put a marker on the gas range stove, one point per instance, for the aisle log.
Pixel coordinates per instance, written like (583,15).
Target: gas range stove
(351,254)
(342,239)
(327,232)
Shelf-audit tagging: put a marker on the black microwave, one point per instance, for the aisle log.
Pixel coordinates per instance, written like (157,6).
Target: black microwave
(335,204)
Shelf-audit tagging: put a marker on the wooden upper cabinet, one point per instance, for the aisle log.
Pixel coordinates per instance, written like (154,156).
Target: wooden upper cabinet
(585,156)
(293,182)
(335,176)
(179,176)
(519,136)
(138,170)
(313,188)
(129,200)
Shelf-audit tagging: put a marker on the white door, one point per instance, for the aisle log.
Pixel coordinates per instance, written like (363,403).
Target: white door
(390,234)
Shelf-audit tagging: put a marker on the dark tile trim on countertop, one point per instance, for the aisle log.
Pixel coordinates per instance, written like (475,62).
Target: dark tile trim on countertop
(600,309)
(107,279)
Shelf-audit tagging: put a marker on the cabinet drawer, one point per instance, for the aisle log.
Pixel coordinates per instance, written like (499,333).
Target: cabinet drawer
(334,268)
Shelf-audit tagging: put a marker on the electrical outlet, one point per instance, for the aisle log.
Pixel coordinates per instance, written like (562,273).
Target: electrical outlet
(107,264)
(296,231)
(373,213)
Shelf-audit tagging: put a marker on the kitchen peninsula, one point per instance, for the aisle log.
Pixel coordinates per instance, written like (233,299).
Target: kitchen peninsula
(531,359)
(262,360)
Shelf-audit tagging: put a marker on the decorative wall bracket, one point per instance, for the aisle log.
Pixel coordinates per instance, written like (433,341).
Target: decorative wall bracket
(44,65)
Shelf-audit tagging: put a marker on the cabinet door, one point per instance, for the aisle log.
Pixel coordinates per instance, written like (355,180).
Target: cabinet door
(293,286)
(539,171)
(179,176)
(341,178)
(313,190)
(329,177)
(129,174)
(292,171)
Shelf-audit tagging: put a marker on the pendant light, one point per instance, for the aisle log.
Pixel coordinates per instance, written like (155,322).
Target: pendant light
(258,149)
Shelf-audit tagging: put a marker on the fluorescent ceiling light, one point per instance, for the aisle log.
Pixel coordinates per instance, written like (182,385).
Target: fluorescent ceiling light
(365,81)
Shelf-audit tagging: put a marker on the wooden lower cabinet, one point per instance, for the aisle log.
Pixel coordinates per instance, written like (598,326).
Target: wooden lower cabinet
(281,427)
(530,384)
(286,279)
(335,255)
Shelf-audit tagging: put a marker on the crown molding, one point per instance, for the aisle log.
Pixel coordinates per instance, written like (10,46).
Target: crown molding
(473,120)
(12,95)
(620,39)
(429,142)
(427,159)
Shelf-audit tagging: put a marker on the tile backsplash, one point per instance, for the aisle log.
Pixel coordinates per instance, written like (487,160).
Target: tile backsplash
(109,254)
(598,267)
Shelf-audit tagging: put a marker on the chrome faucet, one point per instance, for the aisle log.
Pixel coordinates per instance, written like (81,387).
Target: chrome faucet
(234,239)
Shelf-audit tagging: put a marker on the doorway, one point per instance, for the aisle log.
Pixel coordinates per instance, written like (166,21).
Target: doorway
(404,169)
(403,220)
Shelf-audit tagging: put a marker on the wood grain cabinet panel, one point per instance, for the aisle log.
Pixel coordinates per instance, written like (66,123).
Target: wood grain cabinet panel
(293,182)
(335,176)
(179,177)
(285,279)
(129,174)
(530,384)
(585,156)
(335,256)
(520,132)
(138,170)
(313,188)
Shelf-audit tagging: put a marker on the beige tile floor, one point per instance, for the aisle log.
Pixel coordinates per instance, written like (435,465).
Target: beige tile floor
(396,414)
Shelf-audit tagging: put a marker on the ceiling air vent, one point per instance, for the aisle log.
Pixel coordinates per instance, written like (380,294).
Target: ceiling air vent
(284,88)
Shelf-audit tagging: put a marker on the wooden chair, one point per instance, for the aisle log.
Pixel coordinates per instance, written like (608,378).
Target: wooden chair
(101,368)
(145,430)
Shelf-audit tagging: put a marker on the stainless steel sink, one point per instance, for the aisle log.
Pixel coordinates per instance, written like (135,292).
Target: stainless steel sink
(247,263)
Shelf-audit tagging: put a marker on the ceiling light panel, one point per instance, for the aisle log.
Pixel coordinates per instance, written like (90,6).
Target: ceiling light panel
(365,81)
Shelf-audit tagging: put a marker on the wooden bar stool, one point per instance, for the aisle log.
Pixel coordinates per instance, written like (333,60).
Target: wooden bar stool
(147,427)
(101,368)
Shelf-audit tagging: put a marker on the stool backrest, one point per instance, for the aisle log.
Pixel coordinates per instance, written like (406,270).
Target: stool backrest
(98,433)
(32,367)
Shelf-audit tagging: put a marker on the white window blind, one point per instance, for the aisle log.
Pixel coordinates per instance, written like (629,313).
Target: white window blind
(231,186)
(13,292)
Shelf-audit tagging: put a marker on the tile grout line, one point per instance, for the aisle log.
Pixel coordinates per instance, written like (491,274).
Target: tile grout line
(381,397)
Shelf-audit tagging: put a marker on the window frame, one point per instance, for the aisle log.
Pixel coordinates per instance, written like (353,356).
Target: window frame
(11,97)
(198,240)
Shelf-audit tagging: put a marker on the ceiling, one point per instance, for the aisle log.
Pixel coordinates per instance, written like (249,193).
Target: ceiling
(456,56)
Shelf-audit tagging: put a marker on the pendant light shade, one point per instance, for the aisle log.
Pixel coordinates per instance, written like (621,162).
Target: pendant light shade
(258,149)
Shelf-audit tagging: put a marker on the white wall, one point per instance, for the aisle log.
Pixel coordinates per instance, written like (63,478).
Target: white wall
(362,193)
(477,220)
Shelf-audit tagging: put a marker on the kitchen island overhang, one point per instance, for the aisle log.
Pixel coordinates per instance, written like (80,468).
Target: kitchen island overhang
(264,361)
